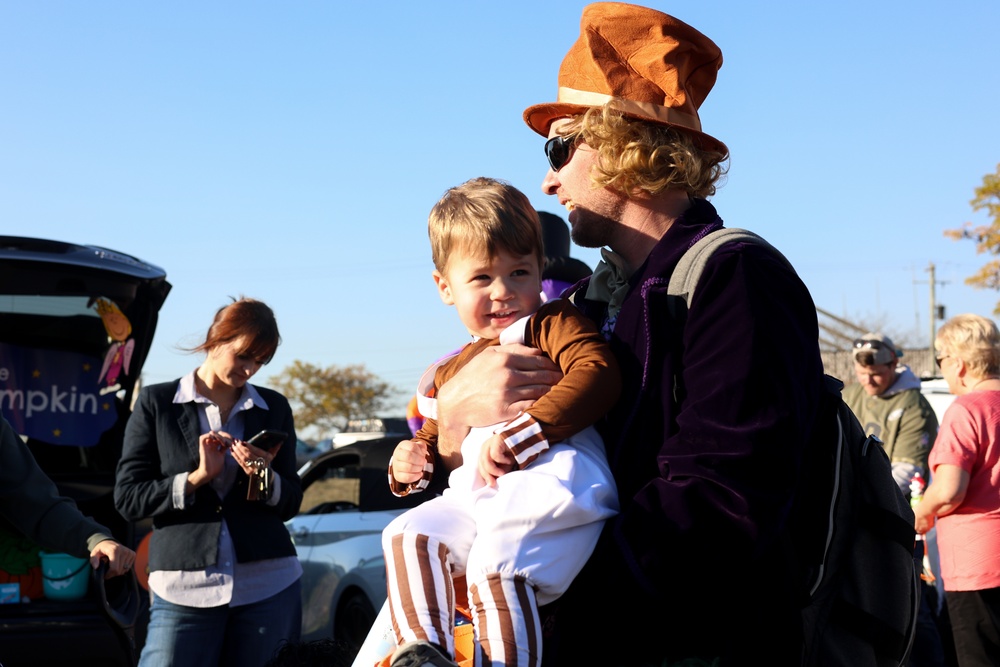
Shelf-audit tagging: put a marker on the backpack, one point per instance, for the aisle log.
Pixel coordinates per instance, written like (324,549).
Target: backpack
(851,532)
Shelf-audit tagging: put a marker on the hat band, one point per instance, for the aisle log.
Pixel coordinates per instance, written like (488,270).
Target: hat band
(656,112)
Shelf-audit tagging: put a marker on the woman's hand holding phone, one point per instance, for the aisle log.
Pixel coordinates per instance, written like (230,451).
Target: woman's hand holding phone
(265,445)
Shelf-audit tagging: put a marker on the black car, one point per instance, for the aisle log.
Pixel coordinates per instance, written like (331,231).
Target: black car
(76,325)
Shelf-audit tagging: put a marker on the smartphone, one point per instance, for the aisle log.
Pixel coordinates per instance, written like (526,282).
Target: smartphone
(268,439)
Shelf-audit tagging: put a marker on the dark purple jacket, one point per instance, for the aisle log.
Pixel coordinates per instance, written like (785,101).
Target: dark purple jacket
(706,477)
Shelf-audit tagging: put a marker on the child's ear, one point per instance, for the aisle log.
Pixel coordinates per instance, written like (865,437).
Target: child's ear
(443,290)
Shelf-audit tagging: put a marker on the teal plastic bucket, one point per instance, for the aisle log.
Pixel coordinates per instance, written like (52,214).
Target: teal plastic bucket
(64,577)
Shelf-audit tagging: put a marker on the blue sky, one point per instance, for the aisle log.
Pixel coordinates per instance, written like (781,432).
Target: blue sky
(292,151)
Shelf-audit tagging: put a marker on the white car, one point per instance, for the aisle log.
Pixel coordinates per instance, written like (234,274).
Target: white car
(338,537)
(937,394)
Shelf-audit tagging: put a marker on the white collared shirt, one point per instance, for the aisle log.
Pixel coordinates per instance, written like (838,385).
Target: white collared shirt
(215,585)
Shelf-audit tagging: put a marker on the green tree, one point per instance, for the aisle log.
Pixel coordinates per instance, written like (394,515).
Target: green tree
(327,398)
(987,237)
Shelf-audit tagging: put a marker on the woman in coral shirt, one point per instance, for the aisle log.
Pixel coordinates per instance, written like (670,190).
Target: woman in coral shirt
(964,495)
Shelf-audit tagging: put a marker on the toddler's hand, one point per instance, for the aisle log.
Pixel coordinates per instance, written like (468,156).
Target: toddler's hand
(408,461)
(495,460)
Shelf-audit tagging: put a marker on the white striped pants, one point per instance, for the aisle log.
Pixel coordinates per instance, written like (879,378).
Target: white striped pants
(504,607)
(519,545)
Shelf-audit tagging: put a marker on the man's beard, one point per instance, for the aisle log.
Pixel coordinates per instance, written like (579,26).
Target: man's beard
(591,230)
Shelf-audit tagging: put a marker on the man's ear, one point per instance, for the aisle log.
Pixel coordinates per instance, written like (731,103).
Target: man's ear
(444,291)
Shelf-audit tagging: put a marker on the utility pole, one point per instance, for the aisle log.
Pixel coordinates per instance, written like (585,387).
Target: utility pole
(933,312)
(937,312)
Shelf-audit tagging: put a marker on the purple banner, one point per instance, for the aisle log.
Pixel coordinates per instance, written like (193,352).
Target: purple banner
(54,396)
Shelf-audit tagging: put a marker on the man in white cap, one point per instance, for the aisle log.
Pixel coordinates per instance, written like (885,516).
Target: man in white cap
(889,405)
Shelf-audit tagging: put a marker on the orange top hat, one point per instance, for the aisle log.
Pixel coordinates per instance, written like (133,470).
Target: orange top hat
(650,65)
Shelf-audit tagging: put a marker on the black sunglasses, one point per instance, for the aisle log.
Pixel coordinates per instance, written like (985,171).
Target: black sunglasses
(938,360)
(559,150)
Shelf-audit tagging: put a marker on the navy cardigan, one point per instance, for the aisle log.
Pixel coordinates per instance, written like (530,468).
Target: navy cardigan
(161,441)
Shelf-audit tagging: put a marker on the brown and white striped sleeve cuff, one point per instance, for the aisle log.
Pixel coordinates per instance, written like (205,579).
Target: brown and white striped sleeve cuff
(401,490)
(525,439)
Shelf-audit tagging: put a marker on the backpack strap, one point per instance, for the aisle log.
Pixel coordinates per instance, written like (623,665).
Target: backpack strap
(685,277)
(687,273)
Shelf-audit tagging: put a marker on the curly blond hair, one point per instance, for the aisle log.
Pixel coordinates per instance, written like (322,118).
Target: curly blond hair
(973,339)
(639,156)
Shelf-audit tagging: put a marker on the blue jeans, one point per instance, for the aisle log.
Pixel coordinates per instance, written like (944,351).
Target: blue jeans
(245,636)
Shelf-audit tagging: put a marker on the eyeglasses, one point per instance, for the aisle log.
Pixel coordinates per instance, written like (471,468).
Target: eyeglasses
(938,360)
(862,343)
(560,149)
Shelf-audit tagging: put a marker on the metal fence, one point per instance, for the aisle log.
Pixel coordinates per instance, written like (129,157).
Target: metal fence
(840,364)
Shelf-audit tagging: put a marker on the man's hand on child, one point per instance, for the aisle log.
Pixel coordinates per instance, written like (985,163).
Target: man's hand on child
(495,460)
(497,385)
(408,460)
